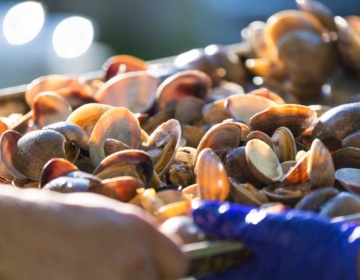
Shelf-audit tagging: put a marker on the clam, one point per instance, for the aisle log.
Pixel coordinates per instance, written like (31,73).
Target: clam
(192,135)
(163,144)
(49,107)
(316,199)
(346,158)
(246,194)
(237,168)
(188,110)
(133,163)
(87,115)
(284,144)
(122,64)
(117,123)
(320,166)
(341,205)
(351,140)
(337,122)
(133,90)
(122,188)
(297,118)
(287,194)
(55,168)
(244,106)
(72,89)
(349,178)
(3,127)
(26,155)
(211,176)
(263,162)
(215,112)
(181,174)
(261,136)
(221,138)
(180,85)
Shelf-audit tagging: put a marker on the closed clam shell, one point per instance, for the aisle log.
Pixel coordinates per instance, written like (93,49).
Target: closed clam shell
(263,162)
(87,115)
(297,118)
(244,106)
(188,110)
(117,123)
(215,112)
(346,158)
(66,86)
(133,90)
(123,63)
(211,176)
(351,140)
(33,150)
(337,122)
(315,200)
(349,178)
(192,135)
(185,83)
(221,138)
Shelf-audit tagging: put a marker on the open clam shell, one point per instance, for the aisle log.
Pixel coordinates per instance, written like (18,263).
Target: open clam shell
(122,64)
(117,123)
(244,106)
(185,83)
(87,115)
(133,90)
(263,162)
(284,144)
(134,163)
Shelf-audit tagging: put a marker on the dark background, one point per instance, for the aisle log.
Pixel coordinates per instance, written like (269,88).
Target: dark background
(148,29)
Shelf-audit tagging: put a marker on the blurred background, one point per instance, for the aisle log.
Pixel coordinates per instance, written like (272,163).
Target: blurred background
(77,36)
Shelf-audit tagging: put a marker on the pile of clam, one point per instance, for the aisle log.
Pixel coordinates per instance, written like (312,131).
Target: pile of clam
(162,136)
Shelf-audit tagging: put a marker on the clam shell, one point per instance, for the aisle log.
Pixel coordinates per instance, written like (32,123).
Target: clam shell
(297,118)
(133,90)
(211,176)
(117,123)
(263,162)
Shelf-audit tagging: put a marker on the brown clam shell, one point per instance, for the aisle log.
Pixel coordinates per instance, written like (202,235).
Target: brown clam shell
(346,158)
(117,123)
(221,138)
(133,90)
(185,83)
(244,106)
(297,118)
(122,64)
(49,108)
(284,144)
(211,176)
(87,115)
(163,144)
(66,86)
(134,163)
(55,168)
